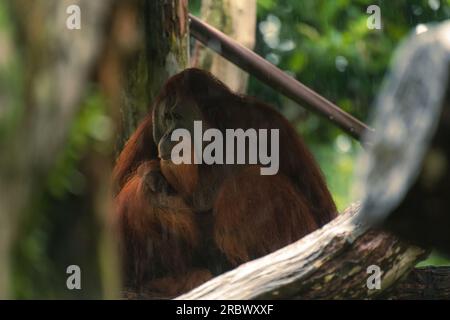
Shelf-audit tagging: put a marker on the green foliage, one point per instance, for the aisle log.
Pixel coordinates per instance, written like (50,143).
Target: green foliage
(337,163)
(435,259)
(328,46)
(195,6)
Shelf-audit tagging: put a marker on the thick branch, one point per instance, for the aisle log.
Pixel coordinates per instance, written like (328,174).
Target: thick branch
(330,263)
(423,283)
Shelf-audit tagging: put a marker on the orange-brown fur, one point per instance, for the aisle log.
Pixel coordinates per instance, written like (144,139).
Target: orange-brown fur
(170,243)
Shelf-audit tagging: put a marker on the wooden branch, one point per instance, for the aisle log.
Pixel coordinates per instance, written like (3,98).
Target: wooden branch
(330,263)
(423,283)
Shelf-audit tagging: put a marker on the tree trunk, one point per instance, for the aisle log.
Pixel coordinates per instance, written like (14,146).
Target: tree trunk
(237,19)
(162,51)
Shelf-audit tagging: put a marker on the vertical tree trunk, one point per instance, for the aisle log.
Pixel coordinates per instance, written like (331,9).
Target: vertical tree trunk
(237,19)
(162,51)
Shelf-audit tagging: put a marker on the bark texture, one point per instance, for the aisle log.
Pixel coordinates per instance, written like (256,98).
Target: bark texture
(422,284)
(330,263)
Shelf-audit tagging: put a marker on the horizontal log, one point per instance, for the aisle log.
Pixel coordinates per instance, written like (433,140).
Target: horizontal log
(330,263)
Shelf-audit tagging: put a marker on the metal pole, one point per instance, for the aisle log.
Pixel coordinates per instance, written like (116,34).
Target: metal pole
(274,77)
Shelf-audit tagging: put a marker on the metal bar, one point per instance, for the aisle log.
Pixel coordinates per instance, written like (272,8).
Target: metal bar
(274,77)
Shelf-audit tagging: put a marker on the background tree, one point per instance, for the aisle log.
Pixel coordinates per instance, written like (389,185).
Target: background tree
(236,19)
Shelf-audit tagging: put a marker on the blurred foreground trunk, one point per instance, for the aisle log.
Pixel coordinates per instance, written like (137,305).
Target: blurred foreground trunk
(57,80)
(50,66)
